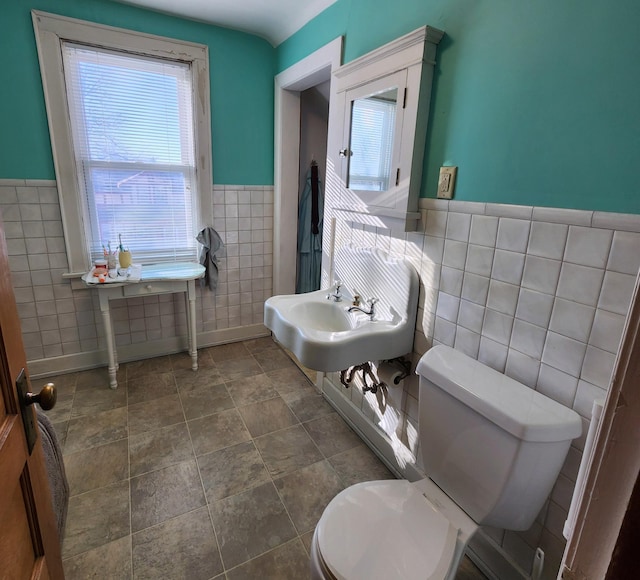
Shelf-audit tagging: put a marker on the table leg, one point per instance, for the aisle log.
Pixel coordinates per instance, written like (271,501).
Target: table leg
(109,338)
(191,324)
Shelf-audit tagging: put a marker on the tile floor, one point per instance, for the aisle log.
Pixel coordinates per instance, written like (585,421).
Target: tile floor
(218,474)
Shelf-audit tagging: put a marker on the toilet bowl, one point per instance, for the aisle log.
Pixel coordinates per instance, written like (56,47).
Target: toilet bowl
(390,529)
(492,450)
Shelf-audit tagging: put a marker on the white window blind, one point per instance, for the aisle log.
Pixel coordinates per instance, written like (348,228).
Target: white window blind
(372,127)
(133,139)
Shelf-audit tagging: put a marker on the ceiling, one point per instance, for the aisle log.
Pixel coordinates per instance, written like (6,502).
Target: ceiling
(274,20)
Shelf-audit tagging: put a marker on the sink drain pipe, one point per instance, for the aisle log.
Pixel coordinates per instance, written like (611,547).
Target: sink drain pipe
(393,372)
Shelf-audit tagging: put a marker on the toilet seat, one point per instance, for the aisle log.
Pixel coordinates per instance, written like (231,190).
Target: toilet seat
(385,529)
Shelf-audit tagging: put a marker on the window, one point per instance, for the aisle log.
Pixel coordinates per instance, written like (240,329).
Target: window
(127,130)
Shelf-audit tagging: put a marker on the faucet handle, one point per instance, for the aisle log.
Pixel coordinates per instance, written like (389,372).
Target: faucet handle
(372,301)
(336,295)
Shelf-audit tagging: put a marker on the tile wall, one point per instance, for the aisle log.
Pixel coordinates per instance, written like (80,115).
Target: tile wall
(537,293)
(59,319)
(540,294)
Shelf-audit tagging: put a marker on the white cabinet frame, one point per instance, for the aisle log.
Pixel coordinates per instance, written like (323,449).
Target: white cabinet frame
(412,55)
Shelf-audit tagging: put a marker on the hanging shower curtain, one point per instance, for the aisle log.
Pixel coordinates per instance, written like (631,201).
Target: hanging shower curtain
(310,214)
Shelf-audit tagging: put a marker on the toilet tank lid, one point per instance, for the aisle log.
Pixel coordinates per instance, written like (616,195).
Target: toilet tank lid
(516,408)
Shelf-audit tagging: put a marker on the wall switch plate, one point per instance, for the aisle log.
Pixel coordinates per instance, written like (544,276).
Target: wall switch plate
(447,182)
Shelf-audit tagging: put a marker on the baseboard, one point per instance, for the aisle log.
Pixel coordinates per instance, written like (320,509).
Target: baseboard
(484,553)
(67,363)
(97,358)
(235,334)
(492,560)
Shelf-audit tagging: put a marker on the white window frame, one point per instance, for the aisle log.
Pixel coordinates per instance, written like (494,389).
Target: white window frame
(50,31)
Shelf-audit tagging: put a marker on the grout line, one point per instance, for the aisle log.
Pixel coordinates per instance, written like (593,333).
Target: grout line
(297,538)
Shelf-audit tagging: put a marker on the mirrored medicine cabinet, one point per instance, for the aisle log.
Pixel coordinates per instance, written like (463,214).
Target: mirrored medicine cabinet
(377,133)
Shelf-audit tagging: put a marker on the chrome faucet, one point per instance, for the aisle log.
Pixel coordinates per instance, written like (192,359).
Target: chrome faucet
(371,313)
(336,295)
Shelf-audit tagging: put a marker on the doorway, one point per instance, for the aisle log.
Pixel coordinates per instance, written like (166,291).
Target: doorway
(314,124)
(313,71)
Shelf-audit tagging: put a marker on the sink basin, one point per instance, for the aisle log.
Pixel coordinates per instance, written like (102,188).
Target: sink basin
(324,336)
(320,315)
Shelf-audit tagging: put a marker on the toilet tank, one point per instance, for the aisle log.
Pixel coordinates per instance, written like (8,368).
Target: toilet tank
(494,445)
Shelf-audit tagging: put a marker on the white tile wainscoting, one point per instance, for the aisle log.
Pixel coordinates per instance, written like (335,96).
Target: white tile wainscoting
(61,324)
(540,294)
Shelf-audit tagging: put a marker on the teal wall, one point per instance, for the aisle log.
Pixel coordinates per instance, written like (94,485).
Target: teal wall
(536,101)
(242,70)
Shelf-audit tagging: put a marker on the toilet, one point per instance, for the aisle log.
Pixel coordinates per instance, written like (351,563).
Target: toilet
(492,450)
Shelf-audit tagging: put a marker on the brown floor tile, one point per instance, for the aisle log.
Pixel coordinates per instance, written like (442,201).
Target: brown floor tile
(267,416)
(273,359)
(290,375)
(199,402)
(332,435)
(176,466)
(97,399)
(112,561)
(238,368)
(96,378)
(287,450)
(292,384)
(307,539)
(159,448)
(231,470)
(469,571)
(308,408)
(65,384)
(154,386)
(188,379)
(183,547)
(97,467)
(226,352)
(182,360)
(250,523)
(250,390)
(155,414)
(94,430)
(149,366)
(96,518)
(257,345)
(61,432)
(62,409)
(217,431)
(359,464)
(287,562)
(306,492)
(163,494)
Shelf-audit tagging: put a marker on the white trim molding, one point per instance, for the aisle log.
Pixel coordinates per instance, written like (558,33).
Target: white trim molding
(50,30)
(309,72)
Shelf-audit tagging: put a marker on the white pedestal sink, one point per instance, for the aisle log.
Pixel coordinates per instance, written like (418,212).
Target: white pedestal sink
(324,336)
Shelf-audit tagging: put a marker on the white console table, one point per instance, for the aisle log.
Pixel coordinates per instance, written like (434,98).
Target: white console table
(154,279)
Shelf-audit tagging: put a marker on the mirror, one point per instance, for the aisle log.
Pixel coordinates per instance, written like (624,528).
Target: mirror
(377,131)
(373,120)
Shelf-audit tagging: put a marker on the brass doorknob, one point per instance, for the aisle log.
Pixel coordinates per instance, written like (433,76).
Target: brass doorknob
(46,398)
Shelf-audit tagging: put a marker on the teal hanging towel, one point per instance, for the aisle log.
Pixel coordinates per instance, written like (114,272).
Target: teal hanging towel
(310,221)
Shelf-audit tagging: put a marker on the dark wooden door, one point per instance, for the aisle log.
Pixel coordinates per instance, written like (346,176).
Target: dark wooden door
(29,543)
